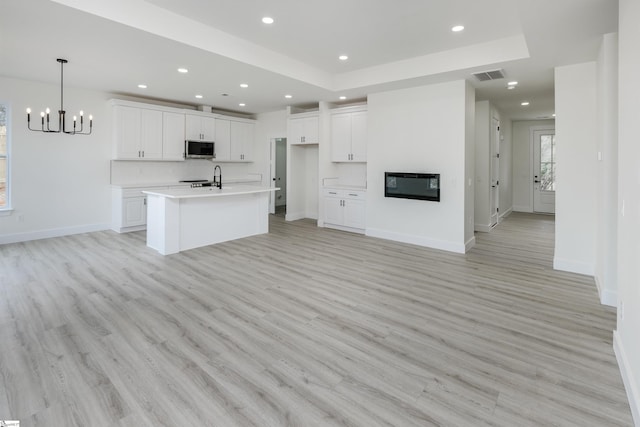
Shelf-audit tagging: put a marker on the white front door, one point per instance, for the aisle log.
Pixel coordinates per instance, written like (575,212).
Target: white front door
(544,170)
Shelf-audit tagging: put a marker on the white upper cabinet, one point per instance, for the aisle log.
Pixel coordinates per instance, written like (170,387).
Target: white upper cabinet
(304,130)
(241,141)
(172,136)
(222,140)
(137,133)
(200,128)
(349,137)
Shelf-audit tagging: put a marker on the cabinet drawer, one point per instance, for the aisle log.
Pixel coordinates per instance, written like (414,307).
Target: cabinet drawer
(344,194)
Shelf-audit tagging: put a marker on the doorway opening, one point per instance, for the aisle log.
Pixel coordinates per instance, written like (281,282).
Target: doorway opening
(278,168)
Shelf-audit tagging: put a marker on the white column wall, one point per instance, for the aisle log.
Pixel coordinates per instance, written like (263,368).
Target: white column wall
(607,148)
(421,129)
(626,337)
(576,135)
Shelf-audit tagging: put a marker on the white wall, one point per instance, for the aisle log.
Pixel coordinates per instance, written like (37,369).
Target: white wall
(626,342)
(268,126)
(576,133)
(469,164)
(421,129)
(522,162)
(607,178)
(60,183)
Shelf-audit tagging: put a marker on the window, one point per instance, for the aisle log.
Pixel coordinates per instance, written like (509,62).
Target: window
(547,162)
(4,159)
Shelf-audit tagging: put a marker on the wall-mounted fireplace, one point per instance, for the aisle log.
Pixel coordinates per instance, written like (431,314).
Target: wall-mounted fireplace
(419,186)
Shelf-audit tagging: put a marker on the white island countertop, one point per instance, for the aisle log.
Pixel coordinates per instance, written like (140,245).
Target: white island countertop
(190,193)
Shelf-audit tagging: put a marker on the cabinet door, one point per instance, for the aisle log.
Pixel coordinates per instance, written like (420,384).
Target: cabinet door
(222,139)
(241,141)
(340,137)
(193,127)
(296,131)
(208,128)
(126,132)
(134,211)
(359,136)
(354,213)
(172,136)
(333,211)
(311,131)
(151,134)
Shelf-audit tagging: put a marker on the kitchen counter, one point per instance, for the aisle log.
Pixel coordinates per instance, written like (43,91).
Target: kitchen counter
(179,219)
(199,192)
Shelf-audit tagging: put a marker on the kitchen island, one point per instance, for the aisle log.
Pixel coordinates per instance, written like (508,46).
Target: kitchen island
(187,218)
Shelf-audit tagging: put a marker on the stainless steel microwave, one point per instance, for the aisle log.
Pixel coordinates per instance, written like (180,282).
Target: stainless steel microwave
(199,149)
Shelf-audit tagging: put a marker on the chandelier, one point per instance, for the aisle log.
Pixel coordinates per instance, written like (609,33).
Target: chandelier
(62,126)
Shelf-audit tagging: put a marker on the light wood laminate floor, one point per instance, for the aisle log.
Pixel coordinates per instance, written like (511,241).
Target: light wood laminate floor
(304,326)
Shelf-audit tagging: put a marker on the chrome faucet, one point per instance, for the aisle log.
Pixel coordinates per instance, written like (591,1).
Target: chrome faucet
(217,182)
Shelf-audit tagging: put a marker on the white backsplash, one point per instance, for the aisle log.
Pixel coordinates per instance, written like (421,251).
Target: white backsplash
(352,174)
(138,172)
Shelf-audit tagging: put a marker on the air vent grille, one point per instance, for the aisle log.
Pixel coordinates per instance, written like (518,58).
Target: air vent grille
(484,76)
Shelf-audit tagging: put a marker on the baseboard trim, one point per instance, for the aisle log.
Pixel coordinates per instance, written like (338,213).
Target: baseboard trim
(470,244)
(505,214)
(528,209)
(343,228)
(627,378)
(573,266)
(417,240)
(293,216)
(607,297)
(55,232)
(483,228)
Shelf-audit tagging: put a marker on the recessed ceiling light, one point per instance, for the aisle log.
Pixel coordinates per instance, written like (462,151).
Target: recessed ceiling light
(553,115)
(267,20)
(244,85)
(142,86)
(343,98)
(457,28)
(199,96)
(183,70)
(512,83)
(525,103)
(288,96)
(242,104)
(343,57)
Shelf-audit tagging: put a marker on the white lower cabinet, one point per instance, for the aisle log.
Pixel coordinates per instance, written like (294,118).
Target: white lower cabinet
(345,209)
(129,210)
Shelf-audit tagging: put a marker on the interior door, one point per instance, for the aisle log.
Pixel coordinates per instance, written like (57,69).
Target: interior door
(495,170)
(544,171)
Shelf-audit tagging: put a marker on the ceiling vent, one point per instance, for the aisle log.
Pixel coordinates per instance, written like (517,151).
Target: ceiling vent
(484,76)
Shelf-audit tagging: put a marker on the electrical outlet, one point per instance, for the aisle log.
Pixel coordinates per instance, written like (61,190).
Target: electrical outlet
(20,218)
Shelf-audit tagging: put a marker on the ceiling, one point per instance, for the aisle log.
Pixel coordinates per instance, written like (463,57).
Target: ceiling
(115,45)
